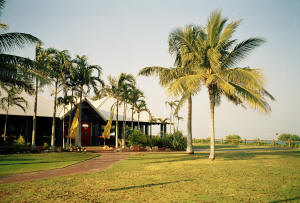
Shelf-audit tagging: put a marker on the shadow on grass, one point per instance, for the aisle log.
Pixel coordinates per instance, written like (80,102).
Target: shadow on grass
(149,185)
(285,200)
(227,156)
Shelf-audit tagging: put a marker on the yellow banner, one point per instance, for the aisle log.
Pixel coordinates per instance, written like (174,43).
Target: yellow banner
(106,133)
(74,126)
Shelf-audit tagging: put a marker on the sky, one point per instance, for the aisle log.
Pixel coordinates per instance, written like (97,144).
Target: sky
(125,36)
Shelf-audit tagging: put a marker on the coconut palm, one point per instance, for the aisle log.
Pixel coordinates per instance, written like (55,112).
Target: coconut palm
(214,64)
(168,76)
(15,70)
(178,118)
(12,99)
(83,77)
(163,124)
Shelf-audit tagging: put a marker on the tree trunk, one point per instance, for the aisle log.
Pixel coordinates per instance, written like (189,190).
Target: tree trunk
(124,126)
(117,124)
(139,120)
(33,146)
(5,126)
(212,125)
(189,148)
(70,117)
(78,137)
(63,134)
(132,119)
(53,119)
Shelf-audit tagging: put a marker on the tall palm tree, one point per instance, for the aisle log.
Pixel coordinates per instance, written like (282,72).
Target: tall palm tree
(40,62)
(15,70)
(84,79)
(168,76)
(12,99)
(58,63)
(214,62)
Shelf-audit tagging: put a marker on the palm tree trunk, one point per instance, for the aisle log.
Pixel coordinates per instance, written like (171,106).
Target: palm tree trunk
(212,125)
(70,117)
(33,146)
(132,119)
(53,119)
(124,126)
(171,122)
(63,134)
(117,124)
(78,137)
(189,148)
(139,120)
(5,126)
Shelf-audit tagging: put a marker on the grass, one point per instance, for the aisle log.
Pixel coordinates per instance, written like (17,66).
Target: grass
(235,176)
(20,163)
(222,147)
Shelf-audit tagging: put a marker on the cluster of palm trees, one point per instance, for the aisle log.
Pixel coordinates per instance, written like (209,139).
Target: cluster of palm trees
(208,57)
(124,91)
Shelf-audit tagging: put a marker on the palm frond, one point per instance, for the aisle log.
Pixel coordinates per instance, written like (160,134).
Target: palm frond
(9,41)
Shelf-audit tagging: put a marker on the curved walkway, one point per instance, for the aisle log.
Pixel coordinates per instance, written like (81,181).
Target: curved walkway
(99,163)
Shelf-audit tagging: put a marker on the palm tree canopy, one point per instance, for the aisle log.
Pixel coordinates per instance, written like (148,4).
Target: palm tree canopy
(83,74)
(13,99)
(213,60)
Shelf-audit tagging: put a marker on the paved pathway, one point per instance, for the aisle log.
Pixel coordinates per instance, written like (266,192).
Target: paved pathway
(99,163)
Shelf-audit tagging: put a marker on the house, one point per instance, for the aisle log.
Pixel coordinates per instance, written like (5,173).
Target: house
(95,115)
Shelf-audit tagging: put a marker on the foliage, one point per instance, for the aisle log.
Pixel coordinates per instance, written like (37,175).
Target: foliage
(287,137)
(46,145)
(234,139)
(20,141)
(137,137)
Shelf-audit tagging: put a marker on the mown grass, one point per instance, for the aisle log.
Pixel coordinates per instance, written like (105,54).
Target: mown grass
(249,176)
(222,147)
(20,163)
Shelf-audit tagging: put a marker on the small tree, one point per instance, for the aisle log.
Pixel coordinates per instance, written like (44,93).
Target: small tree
(12,99)
(288,137)
(234,139)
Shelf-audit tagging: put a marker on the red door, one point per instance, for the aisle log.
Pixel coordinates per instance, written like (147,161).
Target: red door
(85,133)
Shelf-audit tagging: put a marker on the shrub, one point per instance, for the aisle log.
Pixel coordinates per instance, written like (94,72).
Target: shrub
(46,146)
(233,139)
(137,137)
(175,141)
(20,141)
(286,137)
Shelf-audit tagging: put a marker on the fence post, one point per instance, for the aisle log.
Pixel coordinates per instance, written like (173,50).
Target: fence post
(245,141)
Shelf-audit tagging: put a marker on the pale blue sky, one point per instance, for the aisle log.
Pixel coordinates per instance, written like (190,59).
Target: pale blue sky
(125,36)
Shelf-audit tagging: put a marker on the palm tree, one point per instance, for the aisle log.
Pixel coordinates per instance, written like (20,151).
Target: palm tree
(151,120)
(84,78)
(168,76)
(213,60)
(126,86)
(135,96)
(163,123)
(40,81)
(64,101)
(140,107)
(58,63)
(179,118)
(172,105)
(12,99)
(15,70)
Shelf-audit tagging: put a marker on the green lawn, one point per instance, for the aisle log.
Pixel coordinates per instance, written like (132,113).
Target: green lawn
(20,163)
(230,146)
(249,176)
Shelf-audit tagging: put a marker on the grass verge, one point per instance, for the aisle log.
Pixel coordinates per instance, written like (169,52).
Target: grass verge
(20,163)
(243,176)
